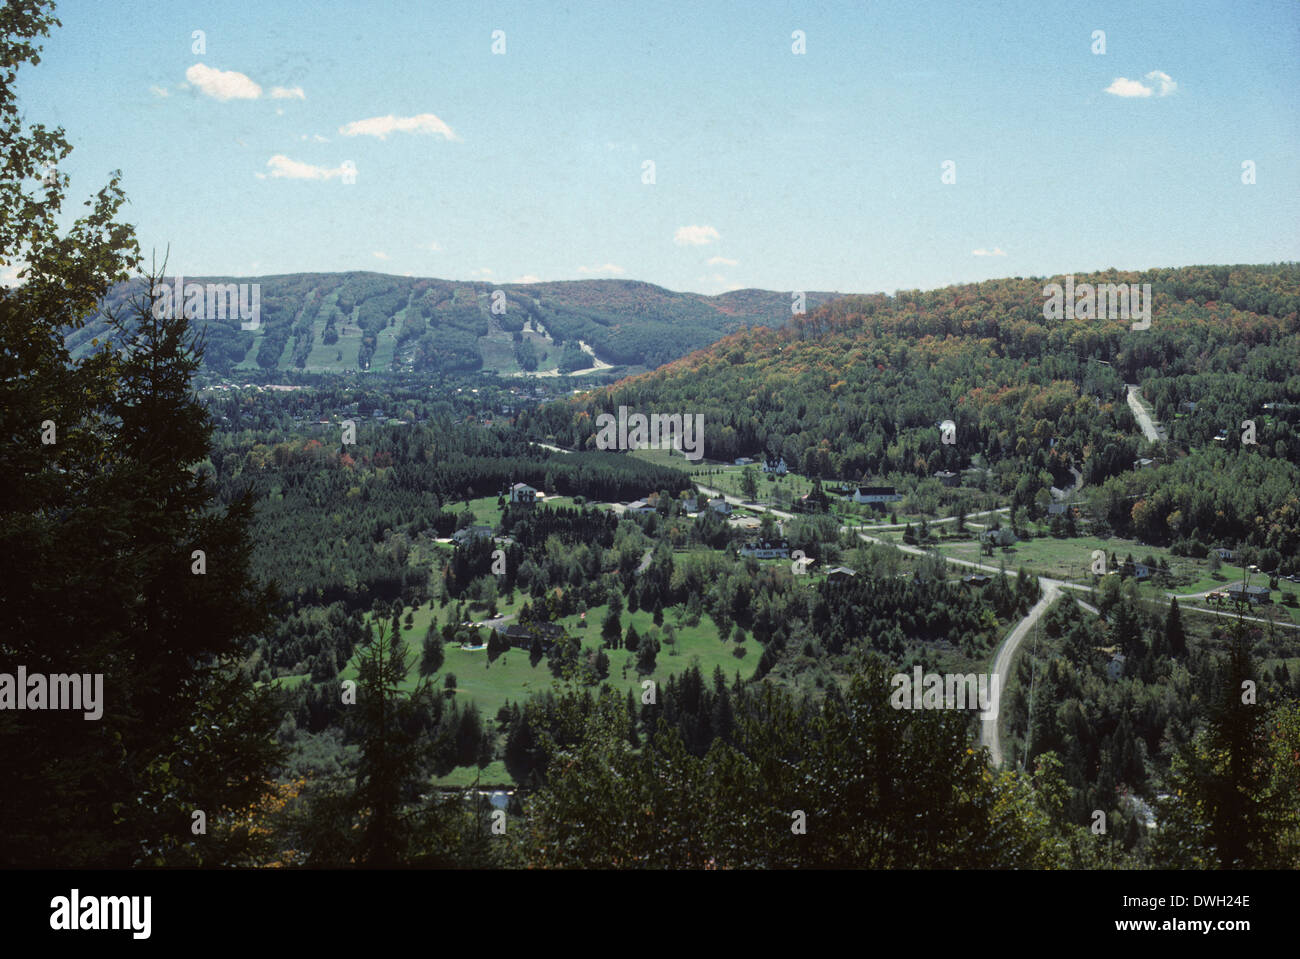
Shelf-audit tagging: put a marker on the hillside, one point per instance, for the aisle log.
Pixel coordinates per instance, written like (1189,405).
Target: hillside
(370,321)
(858,389)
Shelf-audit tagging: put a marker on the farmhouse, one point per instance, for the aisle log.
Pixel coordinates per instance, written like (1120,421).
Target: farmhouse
(775,466)
(840,574)
(876,494)
(523,494)
(1255,594)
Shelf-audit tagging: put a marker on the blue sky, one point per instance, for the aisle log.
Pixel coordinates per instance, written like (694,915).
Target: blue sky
(813,171)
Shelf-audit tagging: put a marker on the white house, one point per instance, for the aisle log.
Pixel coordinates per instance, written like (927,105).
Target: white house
(523,493)
(775,466)
(876,494)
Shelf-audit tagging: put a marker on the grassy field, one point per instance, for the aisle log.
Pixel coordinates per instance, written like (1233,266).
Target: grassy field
(511,678)
(1071,560)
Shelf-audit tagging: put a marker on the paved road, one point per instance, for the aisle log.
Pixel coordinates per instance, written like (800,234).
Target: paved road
(1149,429)
(989,734)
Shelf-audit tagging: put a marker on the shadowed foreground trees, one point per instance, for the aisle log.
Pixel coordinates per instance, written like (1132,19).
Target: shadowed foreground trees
(877,788)
(99,526)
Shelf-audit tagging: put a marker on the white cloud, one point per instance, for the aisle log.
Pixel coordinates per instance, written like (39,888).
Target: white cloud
(1123,87)
(380,255)
(529,278)
(222,84)
(695,235)
(159,91)
(435,246)
(996,251)
(607,268)
(481,271)
(382,126)
(282,168)
(721,261)
(287,93)
(1167,84)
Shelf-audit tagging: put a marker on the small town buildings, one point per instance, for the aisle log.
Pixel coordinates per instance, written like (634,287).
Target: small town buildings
(840,574)
(776,466)
(765,549)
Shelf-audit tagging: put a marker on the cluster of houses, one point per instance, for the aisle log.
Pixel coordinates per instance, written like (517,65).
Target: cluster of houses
(690,504)
(774,465)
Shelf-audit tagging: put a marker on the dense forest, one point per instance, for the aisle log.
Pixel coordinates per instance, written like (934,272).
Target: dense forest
(244,569)
(859,389)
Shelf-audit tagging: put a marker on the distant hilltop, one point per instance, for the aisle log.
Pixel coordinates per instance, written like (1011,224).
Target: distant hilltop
(362,321)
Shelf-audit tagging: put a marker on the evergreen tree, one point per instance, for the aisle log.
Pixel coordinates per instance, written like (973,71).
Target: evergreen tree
(1175,641)
(98,533)
(386,723)
(433,657)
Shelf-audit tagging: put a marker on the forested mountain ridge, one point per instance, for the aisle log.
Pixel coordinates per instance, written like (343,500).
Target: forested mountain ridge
(859,388)
(370,321)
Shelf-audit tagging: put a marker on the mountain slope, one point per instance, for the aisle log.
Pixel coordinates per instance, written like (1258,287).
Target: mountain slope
(858,390)
(372,321)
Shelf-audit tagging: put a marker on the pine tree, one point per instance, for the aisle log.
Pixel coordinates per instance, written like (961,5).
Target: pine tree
(1175,639)
(433,656)
(98,537)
